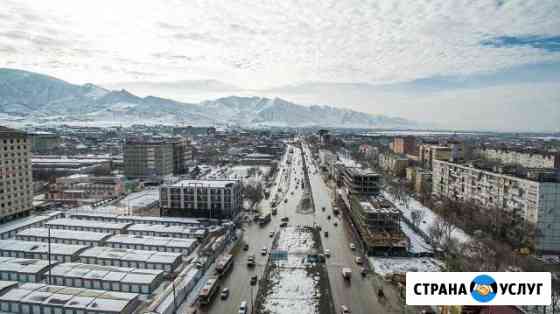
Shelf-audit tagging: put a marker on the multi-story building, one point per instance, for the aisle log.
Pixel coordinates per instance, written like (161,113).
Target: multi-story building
(360,181)
(394,164)
(148,158)
(182,155)
(428,152)
(202,198)
(534,198)
(404,145)
(82,188)
(529,159)
(16,186)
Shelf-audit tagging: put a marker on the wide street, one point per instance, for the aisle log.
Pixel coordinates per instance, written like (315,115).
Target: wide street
(360,294)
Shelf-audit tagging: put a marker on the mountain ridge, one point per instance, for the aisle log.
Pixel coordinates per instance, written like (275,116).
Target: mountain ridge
(42,98)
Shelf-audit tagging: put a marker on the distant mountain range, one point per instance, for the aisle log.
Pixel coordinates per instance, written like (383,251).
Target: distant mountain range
(35,98)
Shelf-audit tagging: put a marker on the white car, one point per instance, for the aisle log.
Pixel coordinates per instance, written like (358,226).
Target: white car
(358,260)
(352,246)
(271,234)
(264,251)
(243,308)
(327,253)
(344,309)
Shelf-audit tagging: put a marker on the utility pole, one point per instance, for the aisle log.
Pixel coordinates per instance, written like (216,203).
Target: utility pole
(174,298)
(49,253)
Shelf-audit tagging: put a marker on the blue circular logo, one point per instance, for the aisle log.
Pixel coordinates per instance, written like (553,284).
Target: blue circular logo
(483,288)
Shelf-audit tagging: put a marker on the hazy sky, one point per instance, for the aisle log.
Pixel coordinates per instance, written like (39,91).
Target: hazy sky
(492,64)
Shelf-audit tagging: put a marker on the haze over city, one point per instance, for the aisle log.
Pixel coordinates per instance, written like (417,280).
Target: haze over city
(487,64)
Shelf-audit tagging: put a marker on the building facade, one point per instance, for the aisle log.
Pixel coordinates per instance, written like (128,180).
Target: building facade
(428,152)
(524,158)
(148,158)
(218,199)
(360,181)
(535,201)
(394,164)
(82,188)
(404,145)
(16,186)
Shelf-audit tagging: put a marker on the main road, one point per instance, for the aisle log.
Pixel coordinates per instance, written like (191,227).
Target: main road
(360,295)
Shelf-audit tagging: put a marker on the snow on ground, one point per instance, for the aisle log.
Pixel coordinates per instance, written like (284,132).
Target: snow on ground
(417,243)
(429,216)
(389,265)
(294,288)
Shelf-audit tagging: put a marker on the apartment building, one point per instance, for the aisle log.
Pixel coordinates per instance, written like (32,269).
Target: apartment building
(182,155)
(428,152)
(219,199)
(149,158)
(528,159)
(394,164)
(534,198)
(83,188)
(16,186)
(404,145)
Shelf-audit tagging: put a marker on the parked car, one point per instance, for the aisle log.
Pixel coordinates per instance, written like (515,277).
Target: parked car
(328,253)
(352,246)
(284,224)
(246,247)
(225,294)
(358,260)
(326,234)
(254,280)
(264,251)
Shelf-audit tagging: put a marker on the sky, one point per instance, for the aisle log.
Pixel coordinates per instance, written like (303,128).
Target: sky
(466,64)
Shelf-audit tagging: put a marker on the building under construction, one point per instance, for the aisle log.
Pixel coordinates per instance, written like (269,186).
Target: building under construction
(378,223)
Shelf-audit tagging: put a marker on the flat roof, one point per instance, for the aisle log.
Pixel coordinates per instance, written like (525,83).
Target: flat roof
(205,183)
(21,223)
(167,229)
(87,223)
(107,273)
(151,219)
(40,247)
(131,255)
(85,299)
(22,265)
(64,234)
(372,208)
(152,241)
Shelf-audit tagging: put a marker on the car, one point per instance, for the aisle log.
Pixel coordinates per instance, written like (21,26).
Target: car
(225,294)
(352,246)
(326,234)
(358,260)
(329,217)
(328,253)
(246,247)
(323,208)
(254,280)
(271,234)
(285,219)
(264,251)
(243,308)
(284,224)
(335,223)
(344,310)
(285,200)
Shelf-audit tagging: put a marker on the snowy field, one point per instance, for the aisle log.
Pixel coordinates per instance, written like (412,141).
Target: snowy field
(294,288)
(389,265)
(417,243)
(429,216)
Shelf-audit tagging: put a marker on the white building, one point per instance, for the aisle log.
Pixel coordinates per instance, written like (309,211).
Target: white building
(148,243)
(108,278)
(10,229)
(219,199)
(22,269)
(167,221)
(84,225)
(167,231)
(131,258)
(528,159)
(64,253)
(63,236)
(537,202)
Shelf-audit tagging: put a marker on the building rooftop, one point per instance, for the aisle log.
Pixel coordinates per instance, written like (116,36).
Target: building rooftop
(87,224)
(109,273)
(6,132)
(64,234)
(148,219)
(205,183)
(22,265)
(131,255)
(21,223)
(41,247)
(362,171)
(167,229)
(186,244)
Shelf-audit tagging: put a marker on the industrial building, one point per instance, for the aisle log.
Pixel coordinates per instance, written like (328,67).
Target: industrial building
(108,278)
(63,236)
(109,256)
(22,269)
(37,298)
(167,231)
(219,199)
(10,229)
(167,221)
(534,198)
(85,189)
(63,253)
(16,185)
(149,243)
(85,225)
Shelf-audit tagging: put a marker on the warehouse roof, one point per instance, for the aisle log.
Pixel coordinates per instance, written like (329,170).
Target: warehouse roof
(41,247)
(85,299)
(22,265)
(153,241)
(87,223)
(205,183)
(151,219)
(108,273)
(167,229)
(131,255)
(20,223)
(64,234)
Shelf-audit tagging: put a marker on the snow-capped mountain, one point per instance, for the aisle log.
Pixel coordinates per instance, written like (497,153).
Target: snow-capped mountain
(37,98)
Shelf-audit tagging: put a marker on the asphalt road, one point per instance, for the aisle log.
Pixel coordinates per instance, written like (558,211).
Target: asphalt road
(360,294)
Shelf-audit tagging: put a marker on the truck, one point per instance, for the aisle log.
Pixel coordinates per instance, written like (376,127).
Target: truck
(347,273)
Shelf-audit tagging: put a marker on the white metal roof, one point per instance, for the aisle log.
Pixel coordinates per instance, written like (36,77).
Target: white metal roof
(22,265)
(153,241)
(107,273)
(40,247)
(131,255)
(64,234)
(87,223)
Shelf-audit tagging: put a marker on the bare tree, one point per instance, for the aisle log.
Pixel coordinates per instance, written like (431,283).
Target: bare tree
(253,192)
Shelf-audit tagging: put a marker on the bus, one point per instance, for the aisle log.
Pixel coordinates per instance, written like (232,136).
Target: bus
(208,291)
(224,264)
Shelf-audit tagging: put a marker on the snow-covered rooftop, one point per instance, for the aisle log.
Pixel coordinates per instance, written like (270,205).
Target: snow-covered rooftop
(108,273)
(40,247)
(64,234)
(205,183)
